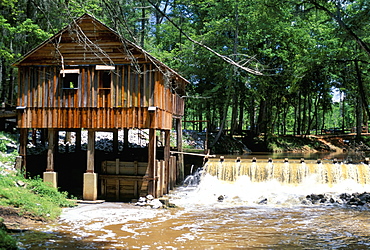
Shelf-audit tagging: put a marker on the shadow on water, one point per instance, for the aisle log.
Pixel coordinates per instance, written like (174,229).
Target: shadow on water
(35,239)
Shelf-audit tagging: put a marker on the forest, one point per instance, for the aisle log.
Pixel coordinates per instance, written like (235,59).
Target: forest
(269,67)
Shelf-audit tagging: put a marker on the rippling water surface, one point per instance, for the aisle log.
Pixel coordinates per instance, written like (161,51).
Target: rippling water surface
(200,221)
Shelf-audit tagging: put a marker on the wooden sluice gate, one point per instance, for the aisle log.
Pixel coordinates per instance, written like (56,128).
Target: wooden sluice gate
(123,181)
(288,172)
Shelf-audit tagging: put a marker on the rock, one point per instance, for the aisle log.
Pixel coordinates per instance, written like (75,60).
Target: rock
(164,201)
(221,198)
(21,183)
(306,202)
(264,201)
(141,202)
(155,203)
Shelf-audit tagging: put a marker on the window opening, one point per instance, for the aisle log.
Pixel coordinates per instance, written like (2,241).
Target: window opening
(70,78)
(105,79)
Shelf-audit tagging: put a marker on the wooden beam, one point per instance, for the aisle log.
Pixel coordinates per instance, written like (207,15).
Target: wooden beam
(151,161)
(125,138)
(180,157)
(167,141)
(51,150)
(23,140)
(90,151)
(78,140)
(195,154)
(115,141)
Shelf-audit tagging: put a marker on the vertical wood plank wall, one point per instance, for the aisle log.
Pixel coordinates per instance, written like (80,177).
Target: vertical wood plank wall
(124,105)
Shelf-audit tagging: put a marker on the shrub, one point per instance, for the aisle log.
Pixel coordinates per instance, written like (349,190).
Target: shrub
(6,241)
(32,196)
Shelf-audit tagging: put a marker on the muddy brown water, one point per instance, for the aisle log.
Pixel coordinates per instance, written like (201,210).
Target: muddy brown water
(200,221)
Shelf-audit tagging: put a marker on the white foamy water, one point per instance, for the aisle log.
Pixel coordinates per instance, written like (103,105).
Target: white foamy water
(245,192)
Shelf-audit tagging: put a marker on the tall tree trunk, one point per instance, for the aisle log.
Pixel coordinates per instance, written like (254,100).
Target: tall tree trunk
(261,119)
(241,114)
(252,118)
(295,120)
(299,115)
(234,114)
(359,118)
(200,117)
(361,88)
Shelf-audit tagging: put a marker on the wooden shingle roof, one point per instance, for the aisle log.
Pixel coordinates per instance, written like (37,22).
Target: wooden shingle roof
(87,41)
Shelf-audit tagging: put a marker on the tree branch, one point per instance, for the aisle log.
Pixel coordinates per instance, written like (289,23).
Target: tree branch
(225,58)
(337,17)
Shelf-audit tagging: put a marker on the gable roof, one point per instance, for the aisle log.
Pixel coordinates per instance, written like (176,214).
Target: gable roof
(87,41)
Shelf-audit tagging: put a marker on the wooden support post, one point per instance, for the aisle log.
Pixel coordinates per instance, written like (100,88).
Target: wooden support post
(90,186)
(67,141)
(125,138)
(167,148)
(78,141)
(115,141)
(173,171)
(90,151)
(158,178)
(180,157)
(151,161)
(51,150)
(50,176)
(34,139)
(162,178)
(23,140)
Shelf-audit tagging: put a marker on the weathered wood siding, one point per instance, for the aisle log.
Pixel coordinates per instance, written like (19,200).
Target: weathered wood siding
(124,105)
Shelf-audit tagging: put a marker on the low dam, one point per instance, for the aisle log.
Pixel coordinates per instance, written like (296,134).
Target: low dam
(288,172)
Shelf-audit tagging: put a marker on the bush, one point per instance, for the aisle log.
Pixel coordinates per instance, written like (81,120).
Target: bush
(6,241)
(32,196)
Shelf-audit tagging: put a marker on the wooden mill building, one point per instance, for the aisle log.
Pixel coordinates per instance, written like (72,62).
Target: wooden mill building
(89,78)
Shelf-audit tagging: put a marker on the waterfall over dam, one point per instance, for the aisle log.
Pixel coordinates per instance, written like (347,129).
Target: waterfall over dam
(288,172)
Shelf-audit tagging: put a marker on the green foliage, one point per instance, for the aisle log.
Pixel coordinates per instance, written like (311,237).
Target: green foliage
(6,241)
(32,196)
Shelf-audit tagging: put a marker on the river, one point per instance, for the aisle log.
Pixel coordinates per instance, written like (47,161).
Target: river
(251,215)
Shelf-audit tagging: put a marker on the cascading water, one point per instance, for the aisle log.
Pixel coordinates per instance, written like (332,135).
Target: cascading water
(280,183)
(288,172)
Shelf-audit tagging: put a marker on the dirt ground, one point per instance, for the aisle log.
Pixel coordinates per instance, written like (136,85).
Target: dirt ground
(15,220)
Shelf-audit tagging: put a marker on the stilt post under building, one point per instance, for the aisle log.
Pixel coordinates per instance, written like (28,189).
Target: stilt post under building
(23,139)
(166,154)
(50,176)
(78,140)
(152,162)
(180,157)
(125,138)
(115,141)
(90,185)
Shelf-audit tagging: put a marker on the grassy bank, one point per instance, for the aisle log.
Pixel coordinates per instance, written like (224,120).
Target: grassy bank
(27,197)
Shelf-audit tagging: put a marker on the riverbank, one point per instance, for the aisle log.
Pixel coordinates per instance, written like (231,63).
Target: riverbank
(23,201)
